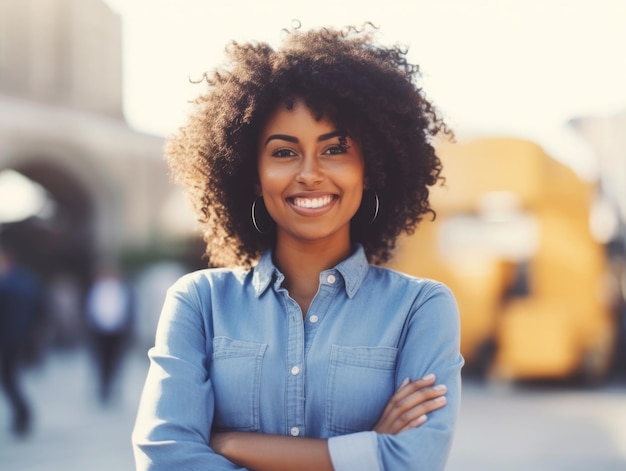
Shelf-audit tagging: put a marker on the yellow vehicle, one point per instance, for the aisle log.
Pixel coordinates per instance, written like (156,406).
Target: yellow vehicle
(513,242)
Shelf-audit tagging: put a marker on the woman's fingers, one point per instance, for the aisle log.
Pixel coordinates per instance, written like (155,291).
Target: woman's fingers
(408,395)
(409,387)
(418,415)
(409,405)
(417,403)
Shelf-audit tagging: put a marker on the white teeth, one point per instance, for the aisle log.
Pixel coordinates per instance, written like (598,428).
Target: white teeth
(312,202)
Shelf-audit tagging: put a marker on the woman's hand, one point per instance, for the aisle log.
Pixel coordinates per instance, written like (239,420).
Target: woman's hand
(409,405)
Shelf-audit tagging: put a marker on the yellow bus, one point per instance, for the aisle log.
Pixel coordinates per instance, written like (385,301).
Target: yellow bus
(512,240)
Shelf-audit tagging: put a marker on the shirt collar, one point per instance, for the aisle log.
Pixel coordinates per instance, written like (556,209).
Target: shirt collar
(263,272)
(353,270)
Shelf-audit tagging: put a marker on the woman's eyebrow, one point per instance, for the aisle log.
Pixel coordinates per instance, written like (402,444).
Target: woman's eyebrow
(323,137)
(330,135)
(282,137)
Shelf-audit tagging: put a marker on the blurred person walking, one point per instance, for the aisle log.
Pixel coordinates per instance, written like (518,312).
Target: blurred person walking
(64,307)
(109,312)
(21,305)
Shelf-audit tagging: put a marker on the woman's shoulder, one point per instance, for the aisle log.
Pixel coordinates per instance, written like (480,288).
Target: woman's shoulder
(424,298)
(211,278)
(388,278)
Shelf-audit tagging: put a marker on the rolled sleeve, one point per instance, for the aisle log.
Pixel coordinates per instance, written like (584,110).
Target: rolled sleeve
(431,346)
(172,429)
(354,451)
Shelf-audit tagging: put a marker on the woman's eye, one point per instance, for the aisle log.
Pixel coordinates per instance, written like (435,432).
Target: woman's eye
(337,149)
(283,153)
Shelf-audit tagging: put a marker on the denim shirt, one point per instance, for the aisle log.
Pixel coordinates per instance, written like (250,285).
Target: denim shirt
(233,352)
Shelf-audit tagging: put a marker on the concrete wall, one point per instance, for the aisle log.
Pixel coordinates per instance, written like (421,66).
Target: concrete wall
(62,52)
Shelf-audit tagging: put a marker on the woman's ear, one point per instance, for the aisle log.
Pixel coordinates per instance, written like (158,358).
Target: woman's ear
(257,189)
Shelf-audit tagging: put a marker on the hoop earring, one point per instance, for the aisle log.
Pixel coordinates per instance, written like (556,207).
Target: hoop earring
(254,223)
(376,208)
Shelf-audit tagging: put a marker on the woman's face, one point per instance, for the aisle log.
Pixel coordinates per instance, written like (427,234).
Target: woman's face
(311,176)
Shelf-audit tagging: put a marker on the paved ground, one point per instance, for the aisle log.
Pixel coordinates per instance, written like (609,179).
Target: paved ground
(541,428)
(72,430)
(525,428)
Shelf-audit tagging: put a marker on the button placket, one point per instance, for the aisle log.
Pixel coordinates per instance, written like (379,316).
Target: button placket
(295,380)
(329,285)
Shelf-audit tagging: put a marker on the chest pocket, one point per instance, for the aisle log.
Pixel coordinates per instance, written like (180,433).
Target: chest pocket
(236,377)
(360,383)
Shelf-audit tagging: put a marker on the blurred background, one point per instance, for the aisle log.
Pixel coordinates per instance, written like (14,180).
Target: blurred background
(530,233)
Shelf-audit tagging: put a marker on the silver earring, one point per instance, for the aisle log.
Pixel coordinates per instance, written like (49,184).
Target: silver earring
(376,209)
(254,223)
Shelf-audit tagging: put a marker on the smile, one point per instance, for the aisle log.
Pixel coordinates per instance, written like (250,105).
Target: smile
(312,203)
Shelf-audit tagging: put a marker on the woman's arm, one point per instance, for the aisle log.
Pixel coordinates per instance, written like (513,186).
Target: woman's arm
(262,452)
(407,408)
(431,344)
(173,424)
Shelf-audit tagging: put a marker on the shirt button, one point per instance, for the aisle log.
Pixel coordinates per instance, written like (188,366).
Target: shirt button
(331,279)
(295,370)
(313,319)
(295,431)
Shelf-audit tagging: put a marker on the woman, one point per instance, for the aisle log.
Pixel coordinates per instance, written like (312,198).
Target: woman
(305,164)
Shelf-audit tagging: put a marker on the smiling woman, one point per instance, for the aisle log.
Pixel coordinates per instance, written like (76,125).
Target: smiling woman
(304,163)
(310,178)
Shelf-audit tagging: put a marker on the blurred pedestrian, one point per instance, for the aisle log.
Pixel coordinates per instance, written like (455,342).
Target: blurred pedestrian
(64,307)
(21,304)
(108,311)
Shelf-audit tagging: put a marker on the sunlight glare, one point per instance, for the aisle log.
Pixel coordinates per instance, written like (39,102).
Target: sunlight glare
(20,197)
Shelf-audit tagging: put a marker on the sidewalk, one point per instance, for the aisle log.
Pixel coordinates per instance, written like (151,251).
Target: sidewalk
(71,429)
(518,429)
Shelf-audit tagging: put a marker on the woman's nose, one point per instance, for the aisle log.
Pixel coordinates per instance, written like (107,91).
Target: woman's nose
(310,172)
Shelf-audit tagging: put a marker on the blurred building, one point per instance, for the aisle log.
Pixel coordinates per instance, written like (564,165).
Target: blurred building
(62,127)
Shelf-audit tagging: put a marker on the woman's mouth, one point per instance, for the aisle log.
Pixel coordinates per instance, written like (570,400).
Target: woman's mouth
(312,202)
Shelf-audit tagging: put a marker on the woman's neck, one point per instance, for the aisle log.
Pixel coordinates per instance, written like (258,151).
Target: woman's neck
(302,263)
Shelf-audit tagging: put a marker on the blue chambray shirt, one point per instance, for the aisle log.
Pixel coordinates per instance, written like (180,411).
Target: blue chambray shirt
(234,353)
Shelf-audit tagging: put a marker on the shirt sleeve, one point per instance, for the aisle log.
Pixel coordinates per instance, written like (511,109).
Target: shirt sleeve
(173,424)
(430,344)
(354,451)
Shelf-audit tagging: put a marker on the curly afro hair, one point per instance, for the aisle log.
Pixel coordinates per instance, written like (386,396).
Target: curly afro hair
(342,75)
